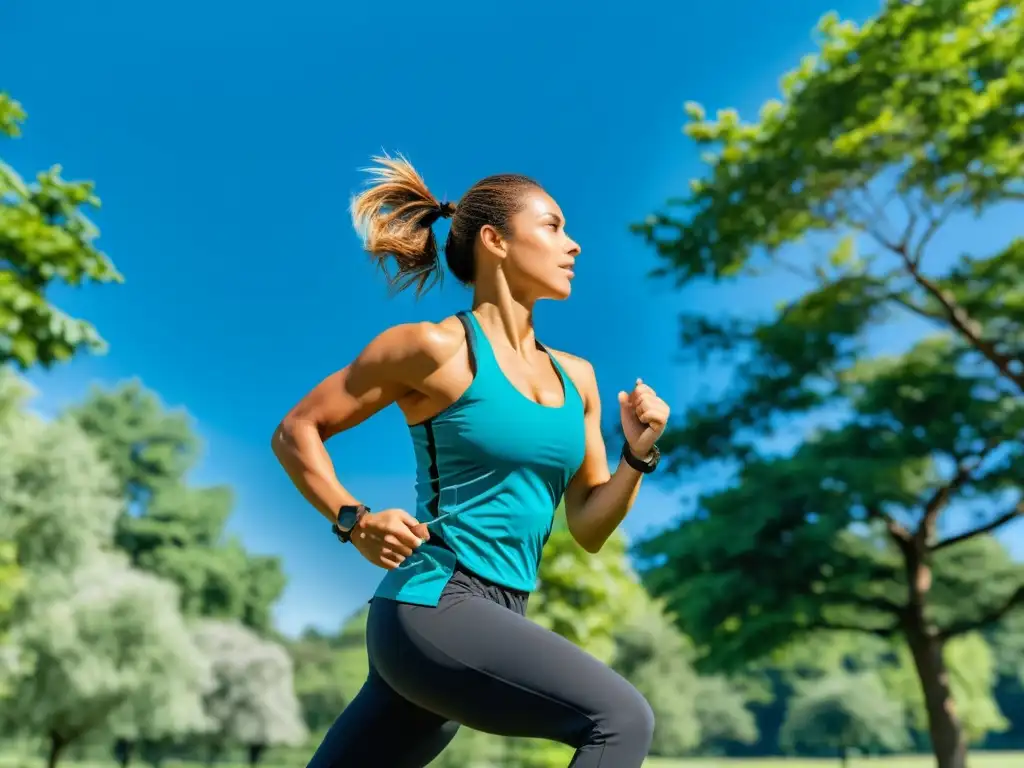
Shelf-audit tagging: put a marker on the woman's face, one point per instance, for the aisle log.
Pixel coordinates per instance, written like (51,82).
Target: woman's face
(539,257)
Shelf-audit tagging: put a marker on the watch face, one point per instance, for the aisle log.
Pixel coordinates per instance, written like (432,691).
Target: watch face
(347,519)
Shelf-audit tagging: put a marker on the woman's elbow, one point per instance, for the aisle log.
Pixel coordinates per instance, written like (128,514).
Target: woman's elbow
(591,546)
(283,438)
(588,542)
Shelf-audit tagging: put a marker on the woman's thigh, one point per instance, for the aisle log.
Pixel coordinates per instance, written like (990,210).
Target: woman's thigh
(487,667)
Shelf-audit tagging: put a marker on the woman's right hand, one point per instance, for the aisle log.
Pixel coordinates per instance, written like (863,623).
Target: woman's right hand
(386,538)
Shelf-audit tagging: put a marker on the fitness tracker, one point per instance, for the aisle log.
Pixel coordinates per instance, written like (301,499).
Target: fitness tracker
(646,465)
(348,517)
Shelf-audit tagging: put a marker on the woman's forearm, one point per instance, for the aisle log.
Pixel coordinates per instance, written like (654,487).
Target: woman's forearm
(301,451)
(593,522)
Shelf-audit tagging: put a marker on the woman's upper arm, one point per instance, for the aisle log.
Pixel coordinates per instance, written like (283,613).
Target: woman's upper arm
(390,367)
(594,469)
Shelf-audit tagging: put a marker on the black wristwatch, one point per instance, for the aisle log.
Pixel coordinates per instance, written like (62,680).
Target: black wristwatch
(348,517)
(646,465)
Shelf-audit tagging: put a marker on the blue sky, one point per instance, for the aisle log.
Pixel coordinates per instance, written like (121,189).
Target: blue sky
(226,138)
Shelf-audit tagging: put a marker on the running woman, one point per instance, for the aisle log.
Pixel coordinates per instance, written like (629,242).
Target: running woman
(502,427)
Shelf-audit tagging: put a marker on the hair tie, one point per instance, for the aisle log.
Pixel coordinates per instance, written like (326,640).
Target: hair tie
(443,210)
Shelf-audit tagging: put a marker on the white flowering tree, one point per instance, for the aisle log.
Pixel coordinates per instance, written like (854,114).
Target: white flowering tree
(58,506)
(59,503)
(13,393)
(105,646)
(252,700)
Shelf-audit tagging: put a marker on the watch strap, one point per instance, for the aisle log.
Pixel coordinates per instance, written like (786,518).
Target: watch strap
(646,465)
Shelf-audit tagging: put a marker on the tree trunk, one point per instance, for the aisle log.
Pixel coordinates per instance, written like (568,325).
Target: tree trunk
(123,751)
(57,745)
(255,753)
(947,733)
(153,752)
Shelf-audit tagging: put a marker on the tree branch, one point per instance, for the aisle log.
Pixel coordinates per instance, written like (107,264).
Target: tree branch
(1002,520)
(934,225)
(911,306)
(940,499)
(992,617)
(897,531)
(796,270)
(882,604)
(957,316)
(839,626)
(969,328)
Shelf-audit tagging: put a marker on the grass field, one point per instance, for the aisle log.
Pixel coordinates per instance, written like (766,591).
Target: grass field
(978,760)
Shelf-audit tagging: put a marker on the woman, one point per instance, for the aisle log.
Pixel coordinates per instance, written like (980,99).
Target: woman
(502,429)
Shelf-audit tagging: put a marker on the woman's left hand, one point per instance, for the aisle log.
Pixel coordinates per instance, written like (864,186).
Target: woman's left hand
(644,416)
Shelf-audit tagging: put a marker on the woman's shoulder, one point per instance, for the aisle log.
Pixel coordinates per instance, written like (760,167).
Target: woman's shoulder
(579,369)
(427,341)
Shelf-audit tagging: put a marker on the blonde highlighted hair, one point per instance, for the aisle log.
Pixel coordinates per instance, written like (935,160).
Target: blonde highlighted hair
(396,213)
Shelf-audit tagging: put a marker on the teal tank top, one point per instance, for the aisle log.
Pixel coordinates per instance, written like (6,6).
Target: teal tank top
(490,470)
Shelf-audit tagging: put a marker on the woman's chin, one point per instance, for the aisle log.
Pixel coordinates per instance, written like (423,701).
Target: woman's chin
(561,287)
(558,294)
(558,288)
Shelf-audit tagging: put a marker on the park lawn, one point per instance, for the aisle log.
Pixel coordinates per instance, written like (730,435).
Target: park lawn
(978,760)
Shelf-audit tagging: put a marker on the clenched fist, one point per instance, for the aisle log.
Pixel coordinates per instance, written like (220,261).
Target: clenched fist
(386,538)
(644,416)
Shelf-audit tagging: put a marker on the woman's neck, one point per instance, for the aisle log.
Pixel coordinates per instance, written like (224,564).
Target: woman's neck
(504,316)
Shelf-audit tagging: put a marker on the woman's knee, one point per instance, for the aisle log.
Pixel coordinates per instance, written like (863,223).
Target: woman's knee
(627,719)
(638,719)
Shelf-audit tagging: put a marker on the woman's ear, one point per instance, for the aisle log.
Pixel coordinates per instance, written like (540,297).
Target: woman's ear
(493,242)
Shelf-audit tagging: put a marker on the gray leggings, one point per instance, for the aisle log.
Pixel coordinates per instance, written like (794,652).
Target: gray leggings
(476,660)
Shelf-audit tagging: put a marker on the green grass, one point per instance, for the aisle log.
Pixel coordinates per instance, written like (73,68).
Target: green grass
(977,760)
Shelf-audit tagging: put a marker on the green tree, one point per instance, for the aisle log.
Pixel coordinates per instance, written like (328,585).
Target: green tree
(167,526)
(689,711)
(969,659)
(149,446)
(107,648)
(841,712)
(1007,643)
(45,238)
(1009,647)
(329,670)
(11,583)
(58,504)
(252,699)
(652,654)
(319,681)
(58,499)
(972,675)
(883,136)
(584,597)
(13,393)
(723,712)
(82,659)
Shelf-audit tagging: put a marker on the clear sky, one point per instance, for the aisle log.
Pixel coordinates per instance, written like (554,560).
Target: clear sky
(226,139)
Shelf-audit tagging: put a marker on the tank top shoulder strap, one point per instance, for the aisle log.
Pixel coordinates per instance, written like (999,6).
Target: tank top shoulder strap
(568,385)
(481,356)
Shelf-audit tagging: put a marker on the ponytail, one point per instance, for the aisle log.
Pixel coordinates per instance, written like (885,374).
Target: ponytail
(395,216)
